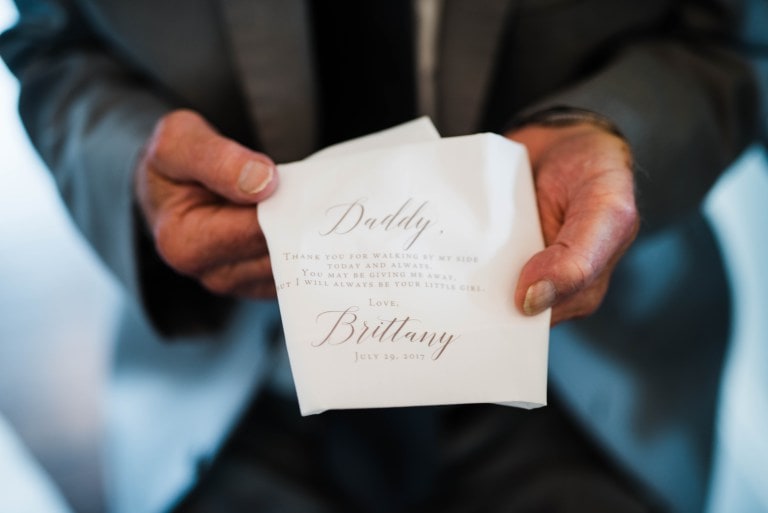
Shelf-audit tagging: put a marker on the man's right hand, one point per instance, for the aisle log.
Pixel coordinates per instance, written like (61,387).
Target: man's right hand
(198,193)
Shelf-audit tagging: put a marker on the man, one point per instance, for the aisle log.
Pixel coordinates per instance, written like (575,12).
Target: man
(162,123)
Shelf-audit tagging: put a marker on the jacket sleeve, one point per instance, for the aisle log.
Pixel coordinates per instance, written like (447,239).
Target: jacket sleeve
(88,115)
(689,98)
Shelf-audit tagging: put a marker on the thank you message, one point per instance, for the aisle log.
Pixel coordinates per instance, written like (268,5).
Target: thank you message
(395,269)
(384,324)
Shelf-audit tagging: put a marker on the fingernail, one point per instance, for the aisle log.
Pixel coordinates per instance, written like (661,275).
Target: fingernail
(539,296)
(255,176)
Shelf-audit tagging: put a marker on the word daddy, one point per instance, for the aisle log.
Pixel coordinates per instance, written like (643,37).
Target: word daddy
(346,217)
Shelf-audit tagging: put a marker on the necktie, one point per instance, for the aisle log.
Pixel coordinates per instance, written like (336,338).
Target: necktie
(364,52)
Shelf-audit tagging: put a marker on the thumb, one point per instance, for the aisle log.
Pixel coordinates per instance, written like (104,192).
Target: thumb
(185,148)
(550,277)
(587,246)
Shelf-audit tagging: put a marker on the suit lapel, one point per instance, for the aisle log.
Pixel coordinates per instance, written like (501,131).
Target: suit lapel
(271,47)
(272,52)
(468,40)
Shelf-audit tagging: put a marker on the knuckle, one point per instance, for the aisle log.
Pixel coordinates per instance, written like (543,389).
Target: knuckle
(588,308)
(171,248)
(263,270)
(178,121)
(160,145)
(218,283)
(168,131)
(213,285)
(578,307)
(243,280)
(625,212)
(591,299)
(228,163)
(579,272)
(262,290)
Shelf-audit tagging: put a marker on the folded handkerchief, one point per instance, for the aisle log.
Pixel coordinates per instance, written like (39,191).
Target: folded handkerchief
(396,265)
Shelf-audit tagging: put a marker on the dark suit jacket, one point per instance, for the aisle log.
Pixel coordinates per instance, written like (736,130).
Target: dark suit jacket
(97,74)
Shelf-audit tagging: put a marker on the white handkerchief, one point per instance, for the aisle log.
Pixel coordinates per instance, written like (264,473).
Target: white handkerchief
(418,130)
(396,269)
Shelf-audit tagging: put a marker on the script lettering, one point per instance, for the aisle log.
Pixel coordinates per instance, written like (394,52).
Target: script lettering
(346,326)
(347,217)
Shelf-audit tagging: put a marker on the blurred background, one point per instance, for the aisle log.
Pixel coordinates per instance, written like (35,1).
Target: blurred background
(57,311)
(58,308)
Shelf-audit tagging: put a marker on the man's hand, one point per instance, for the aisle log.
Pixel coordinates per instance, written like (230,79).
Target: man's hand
(198,192)
(585,191)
